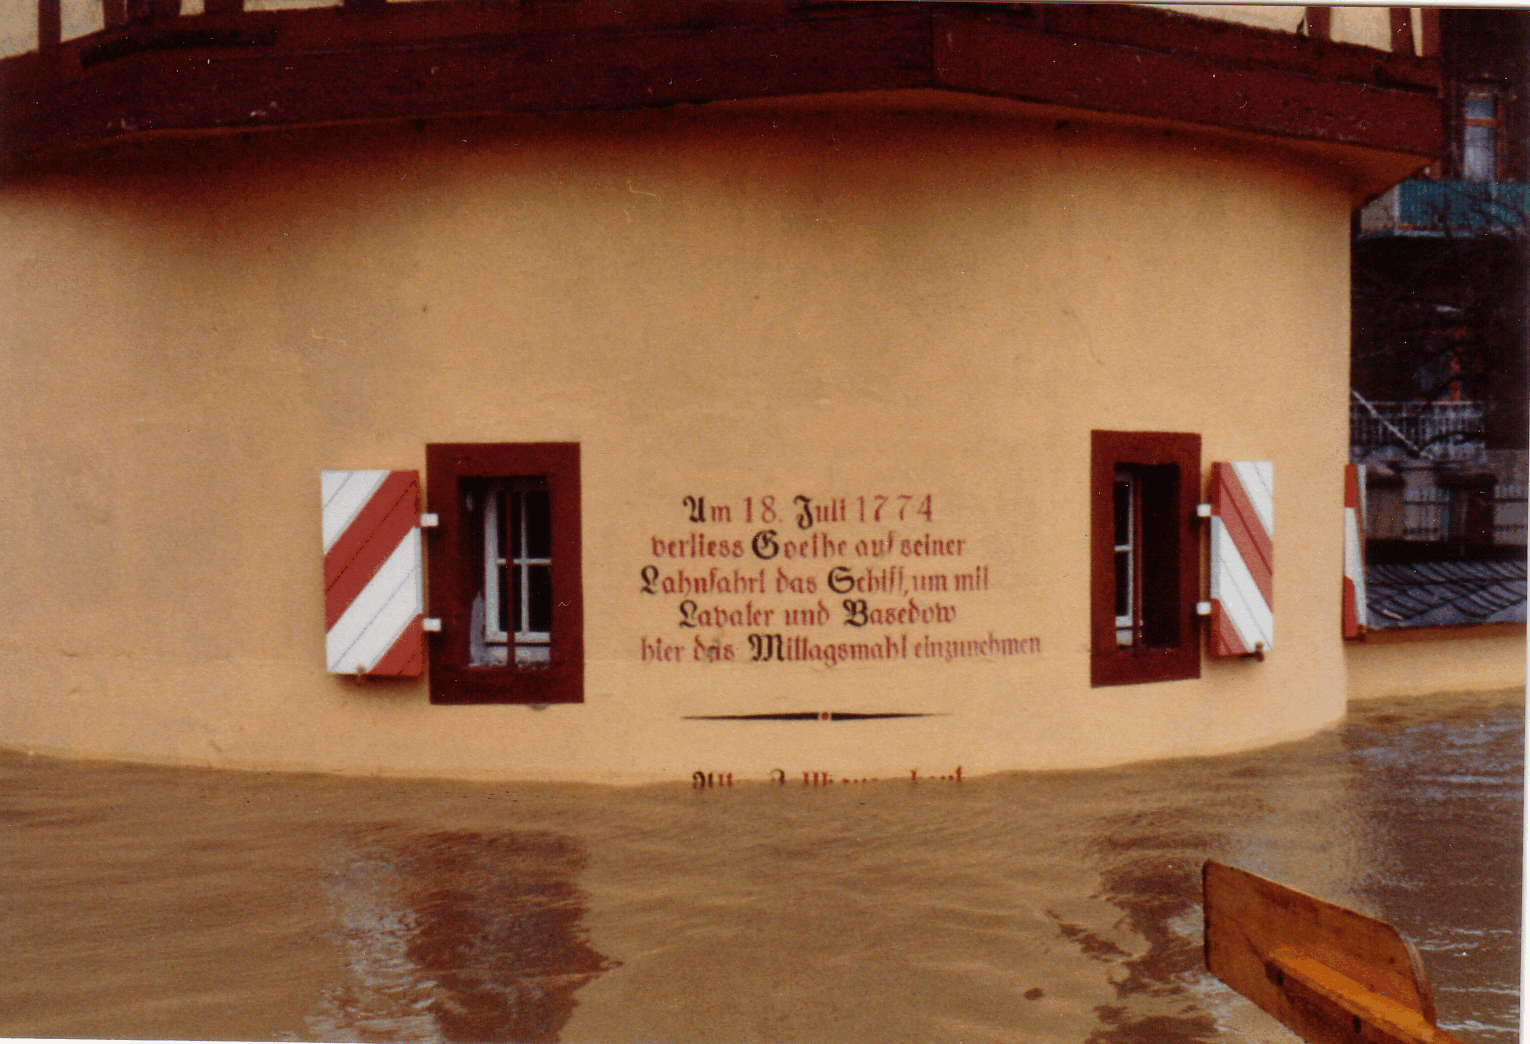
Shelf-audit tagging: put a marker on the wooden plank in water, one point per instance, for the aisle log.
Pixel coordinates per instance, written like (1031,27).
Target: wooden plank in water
(1331,975)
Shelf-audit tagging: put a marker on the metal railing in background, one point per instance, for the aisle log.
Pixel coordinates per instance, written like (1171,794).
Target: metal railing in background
(1436,430)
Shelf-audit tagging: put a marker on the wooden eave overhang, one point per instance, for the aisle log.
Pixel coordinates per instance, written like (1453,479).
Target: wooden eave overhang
(237,70)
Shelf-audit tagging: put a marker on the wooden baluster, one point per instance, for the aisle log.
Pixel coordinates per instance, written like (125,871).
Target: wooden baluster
(1402,30)
(49,25)
(1319,23)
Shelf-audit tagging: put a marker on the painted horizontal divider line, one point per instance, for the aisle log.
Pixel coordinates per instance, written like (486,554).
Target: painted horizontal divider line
(812,716)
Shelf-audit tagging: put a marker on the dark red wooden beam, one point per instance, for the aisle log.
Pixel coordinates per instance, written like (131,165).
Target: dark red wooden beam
(1431,26)
(1401,19)
(50,24)
(234,69)
(1214,86)
(1319,23)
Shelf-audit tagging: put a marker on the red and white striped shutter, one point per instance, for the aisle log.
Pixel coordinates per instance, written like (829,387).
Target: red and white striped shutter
(1355,618)
(373,592)
(1242,546)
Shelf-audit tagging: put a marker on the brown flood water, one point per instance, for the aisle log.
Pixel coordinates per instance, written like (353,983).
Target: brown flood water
(164,903)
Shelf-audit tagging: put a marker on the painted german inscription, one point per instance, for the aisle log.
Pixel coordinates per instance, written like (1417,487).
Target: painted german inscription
(826,580)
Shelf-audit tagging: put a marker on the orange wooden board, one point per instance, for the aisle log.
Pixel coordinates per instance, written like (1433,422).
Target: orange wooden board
(1327,973)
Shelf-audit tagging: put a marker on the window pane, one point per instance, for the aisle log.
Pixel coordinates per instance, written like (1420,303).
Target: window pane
(517,527)
(533,528)
(1123,514)
(1159,543)
(1480,106)
(1123,584)
(1128,548)
(506,603)
(500,576)
(1477,160)
(539,599)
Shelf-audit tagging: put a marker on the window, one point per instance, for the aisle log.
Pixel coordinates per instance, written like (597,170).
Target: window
(516,608)
(505,573)
(1145,557)
(1145,562)
(1479,135)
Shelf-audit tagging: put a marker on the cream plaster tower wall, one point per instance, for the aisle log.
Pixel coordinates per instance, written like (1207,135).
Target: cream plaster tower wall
(896,294)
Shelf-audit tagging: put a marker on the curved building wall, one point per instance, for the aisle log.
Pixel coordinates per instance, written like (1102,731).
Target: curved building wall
(837,300)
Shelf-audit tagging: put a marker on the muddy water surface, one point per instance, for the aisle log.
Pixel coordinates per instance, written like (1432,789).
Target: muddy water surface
(153,902)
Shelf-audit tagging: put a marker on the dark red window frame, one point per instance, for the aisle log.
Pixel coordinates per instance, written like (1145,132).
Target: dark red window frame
(1169,576)
(456,572)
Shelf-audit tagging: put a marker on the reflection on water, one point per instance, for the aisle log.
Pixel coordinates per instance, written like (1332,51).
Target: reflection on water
(1429,788)
(1053,907)
(457,936)
(1159,898)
